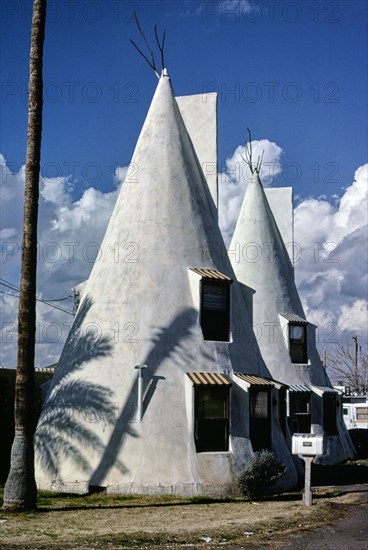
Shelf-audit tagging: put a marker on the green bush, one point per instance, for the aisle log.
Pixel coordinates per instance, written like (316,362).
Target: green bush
(258,479)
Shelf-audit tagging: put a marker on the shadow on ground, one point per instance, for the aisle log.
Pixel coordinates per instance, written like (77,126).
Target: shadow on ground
(340,474)
(125,502)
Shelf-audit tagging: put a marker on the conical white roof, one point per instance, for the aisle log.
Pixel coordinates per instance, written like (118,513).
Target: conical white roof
(141,306)
(263,267)
(165,222)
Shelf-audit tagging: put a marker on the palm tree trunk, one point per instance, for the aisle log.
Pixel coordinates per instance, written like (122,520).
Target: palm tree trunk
(20,488)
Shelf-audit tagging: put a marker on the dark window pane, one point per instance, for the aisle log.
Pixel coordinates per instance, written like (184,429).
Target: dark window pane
(212,435)
(215,311)
(211,418)
(299,402)
(298,343)
(260,419)
(300,418)
(214,297)
(297,333)
(212,403)
(259,404)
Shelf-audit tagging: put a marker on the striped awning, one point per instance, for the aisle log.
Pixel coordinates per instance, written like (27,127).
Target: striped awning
(254,380)
(293,318)
(211,274)
(299,388)
(209,379)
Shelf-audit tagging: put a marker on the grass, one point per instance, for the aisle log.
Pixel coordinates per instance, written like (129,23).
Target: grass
(80,522)
(105,521)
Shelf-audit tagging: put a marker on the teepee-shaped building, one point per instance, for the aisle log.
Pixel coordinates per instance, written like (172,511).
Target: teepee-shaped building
(285,337)
(154,388)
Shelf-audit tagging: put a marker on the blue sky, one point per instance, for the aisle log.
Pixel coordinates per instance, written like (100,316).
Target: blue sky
(295,72)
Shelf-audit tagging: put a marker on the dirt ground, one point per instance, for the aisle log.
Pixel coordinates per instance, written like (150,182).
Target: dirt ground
(114,522)
(347,533)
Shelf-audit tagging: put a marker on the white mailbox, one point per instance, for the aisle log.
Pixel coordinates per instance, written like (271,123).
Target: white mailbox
(308,444)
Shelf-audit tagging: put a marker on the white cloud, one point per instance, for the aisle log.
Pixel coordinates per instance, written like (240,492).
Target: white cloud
(320,221)
(120,174)
(7,233)
(55,190)
(72,217)
(353,317)
(353,207)
(8,329)
(236,7)
(331,275)
(332,271)
(226,9)
(331,243)
(69,233)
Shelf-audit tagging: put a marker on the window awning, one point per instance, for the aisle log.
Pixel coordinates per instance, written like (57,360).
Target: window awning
(211,274)
(321,390)
(279,385)
(254,380)
(299,388)
(294,319)
(209,379)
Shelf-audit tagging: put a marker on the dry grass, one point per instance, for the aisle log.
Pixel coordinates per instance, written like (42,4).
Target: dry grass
(117,521)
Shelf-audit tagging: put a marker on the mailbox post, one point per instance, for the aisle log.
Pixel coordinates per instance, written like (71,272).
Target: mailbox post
(307,447)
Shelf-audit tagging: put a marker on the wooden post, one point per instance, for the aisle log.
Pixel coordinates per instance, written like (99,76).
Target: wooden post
(356,375)
(307,495)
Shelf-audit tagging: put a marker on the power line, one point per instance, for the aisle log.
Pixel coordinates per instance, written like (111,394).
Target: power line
(8,294)
(13,287)
(59,299)
(8,284)
(54,306)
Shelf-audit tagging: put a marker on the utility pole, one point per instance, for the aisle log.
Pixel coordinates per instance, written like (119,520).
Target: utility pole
(356,375)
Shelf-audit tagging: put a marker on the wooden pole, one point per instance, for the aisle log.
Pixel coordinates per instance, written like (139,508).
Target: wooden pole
(356,376)
(307,495)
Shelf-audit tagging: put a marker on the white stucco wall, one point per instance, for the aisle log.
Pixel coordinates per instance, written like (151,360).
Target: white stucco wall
(143,309)
(199,113)
(268,283)
(280,200)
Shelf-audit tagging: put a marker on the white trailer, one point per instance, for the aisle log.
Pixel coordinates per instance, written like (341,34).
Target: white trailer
(355,412)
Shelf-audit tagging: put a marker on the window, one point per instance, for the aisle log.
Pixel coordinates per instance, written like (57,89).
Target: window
(298,343)
(362,414)
(299,412)
(260,419)
(329,413)
(211,413)
(215,310)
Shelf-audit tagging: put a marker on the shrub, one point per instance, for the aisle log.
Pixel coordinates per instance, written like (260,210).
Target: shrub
(258,479)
